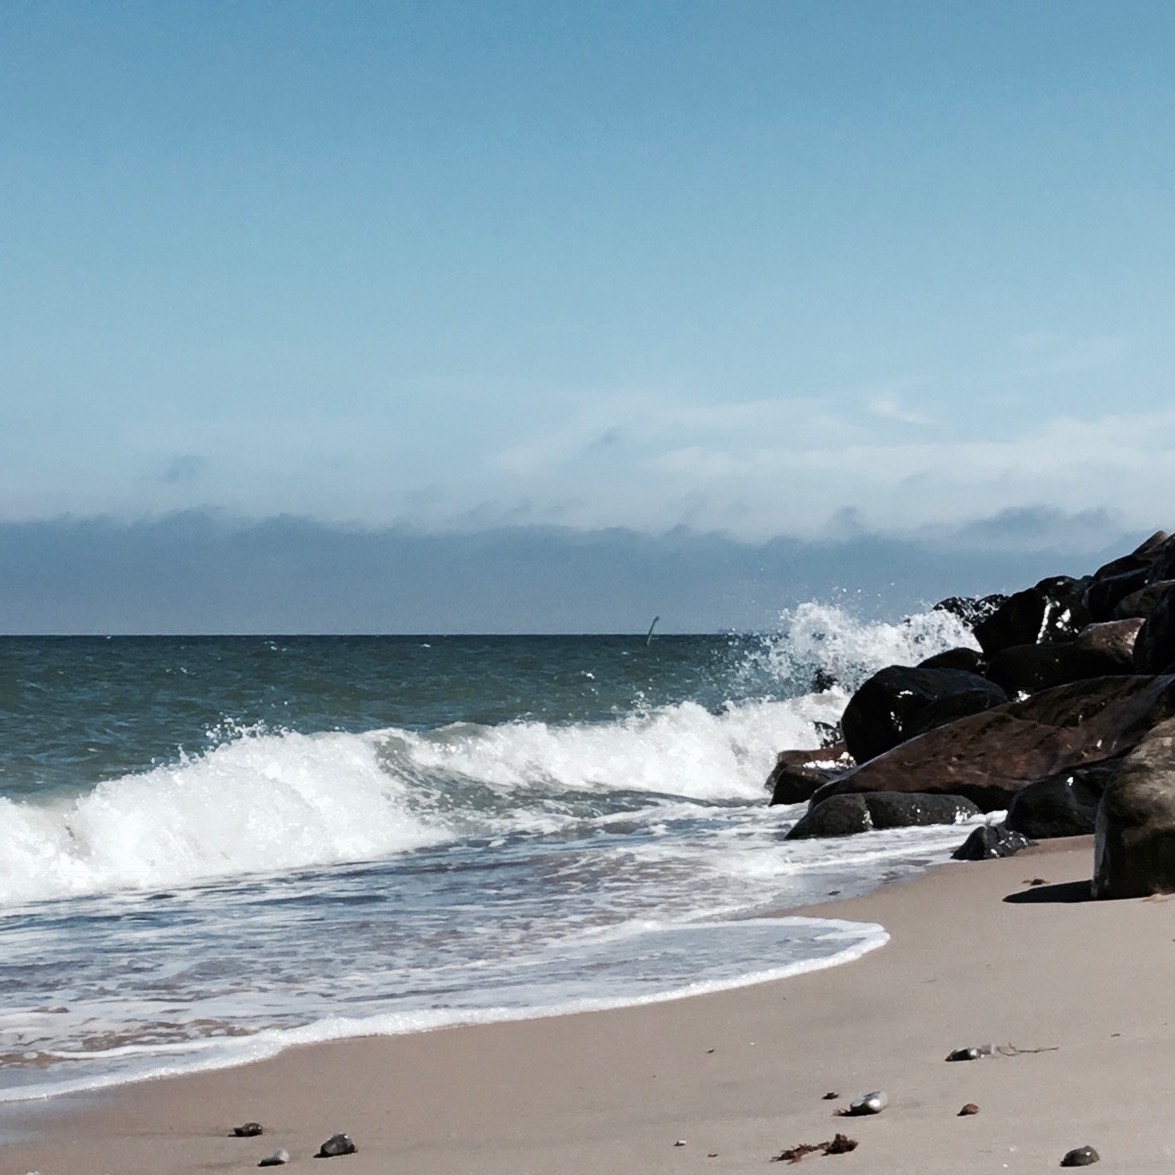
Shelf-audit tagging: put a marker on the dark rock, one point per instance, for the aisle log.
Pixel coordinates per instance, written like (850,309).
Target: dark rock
(1134,835)
(1154,647)
(797,774)
(1162,560)
(988,842)
(849,814)
(971,609)
(986,757)
(969,1109)
(249,1130)
(1142,603)
(880,713)
(277,1159)
(1082,1156)
(1028,669)
(1064,804)
(1114,639)
(969,660)
(337,1144)
(1051,611)
(1104,595)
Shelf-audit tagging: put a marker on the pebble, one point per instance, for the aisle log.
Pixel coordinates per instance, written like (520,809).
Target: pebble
(249,1130)
(869,1103)
(277,1159)
(969,1108)
(337,1144)
(972,1054)
(1081,1156)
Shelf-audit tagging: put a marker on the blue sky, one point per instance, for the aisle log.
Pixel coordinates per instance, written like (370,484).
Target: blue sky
(770,270)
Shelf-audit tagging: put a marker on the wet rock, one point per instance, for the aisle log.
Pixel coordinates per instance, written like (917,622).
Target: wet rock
(1050,611)
(1028,669)
(987,842)
(881,713)
(1081,1156)
(1064,804)
(1154,647)
(1142,603)
(971,609)
(969,1109)
(1134,834)
(248,1130)
(797,774)
(968,660)
(277,1159)
(850,814)
(987,757)
(337,1144)
(869,1103)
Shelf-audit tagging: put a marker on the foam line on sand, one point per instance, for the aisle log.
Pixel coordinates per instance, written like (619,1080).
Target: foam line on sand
(977,956)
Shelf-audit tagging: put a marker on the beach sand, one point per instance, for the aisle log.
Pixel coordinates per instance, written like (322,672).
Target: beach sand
(977,956)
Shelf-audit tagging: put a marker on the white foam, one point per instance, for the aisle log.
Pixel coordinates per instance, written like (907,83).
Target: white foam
(258,803)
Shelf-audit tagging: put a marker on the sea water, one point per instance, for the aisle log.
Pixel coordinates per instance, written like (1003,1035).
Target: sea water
(216,847)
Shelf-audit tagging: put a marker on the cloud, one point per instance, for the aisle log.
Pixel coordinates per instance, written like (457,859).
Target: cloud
(201,572)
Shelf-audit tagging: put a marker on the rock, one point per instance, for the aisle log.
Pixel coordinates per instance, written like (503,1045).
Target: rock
(277,1159)
(1064,804)
(1098,650)
(1134,836)
(969,1109)
(1105,594)
(337,1144)
(1082,1156)
(988,842)
(1050,611)
(849,814)
(869,1103)
(1154,648)
(987,757)
(1142,603)
(881,713)
(971,609)
(249,1130)
(969,660)
(797,774)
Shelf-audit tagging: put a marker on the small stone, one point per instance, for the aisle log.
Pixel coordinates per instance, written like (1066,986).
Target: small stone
(277,1159)
(680,1142)
(1080,1156)
(869,1103)
(969,1108)
(831,1096)
(337,1144)
(973,1053)
(249,1130)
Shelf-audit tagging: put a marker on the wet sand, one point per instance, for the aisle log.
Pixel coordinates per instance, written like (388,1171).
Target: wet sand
(977,956)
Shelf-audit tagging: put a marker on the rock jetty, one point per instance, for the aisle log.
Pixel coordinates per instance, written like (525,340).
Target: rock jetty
(1064,718)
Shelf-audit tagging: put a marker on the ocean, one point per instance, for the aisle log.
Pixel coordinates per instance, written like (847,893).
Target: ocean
(216,847)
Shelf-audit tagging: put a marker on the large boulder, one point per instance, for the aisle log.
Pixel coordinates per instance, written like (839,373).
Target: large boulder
(987,757)
(1050,611)
(1154,648)
(971,609)
(1134,840)
(1064,804)
(847,815)
(1142,602)
(892,706)
(1097,651)
(961,658)
(797,774)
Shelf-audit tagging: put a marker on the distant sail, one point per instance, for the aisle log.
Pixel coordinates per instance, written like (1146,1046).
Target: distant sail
(649,634)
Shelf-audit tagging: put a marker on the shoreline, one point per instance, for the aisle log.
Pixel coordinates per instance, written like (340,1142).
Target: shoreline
(976,956)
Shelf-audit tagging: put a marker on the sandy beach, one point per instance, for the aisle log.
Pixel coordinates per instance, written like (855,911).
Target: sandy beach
(977,956)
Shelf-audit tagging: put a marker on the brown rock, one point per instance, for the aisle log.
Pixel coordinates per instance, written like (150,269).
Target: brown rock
(1134,837)
(986,757)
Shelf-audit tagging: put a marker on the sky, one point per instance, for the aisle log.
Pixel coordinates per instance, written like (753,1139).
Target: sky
(794,285)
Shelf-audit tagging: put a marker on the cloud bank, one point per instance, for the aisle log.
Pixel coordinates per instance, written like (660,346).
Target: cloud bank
(200,572)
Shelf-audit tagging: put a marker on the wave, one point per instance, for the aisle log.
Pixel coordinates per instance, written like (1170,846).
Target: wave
(265,802)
